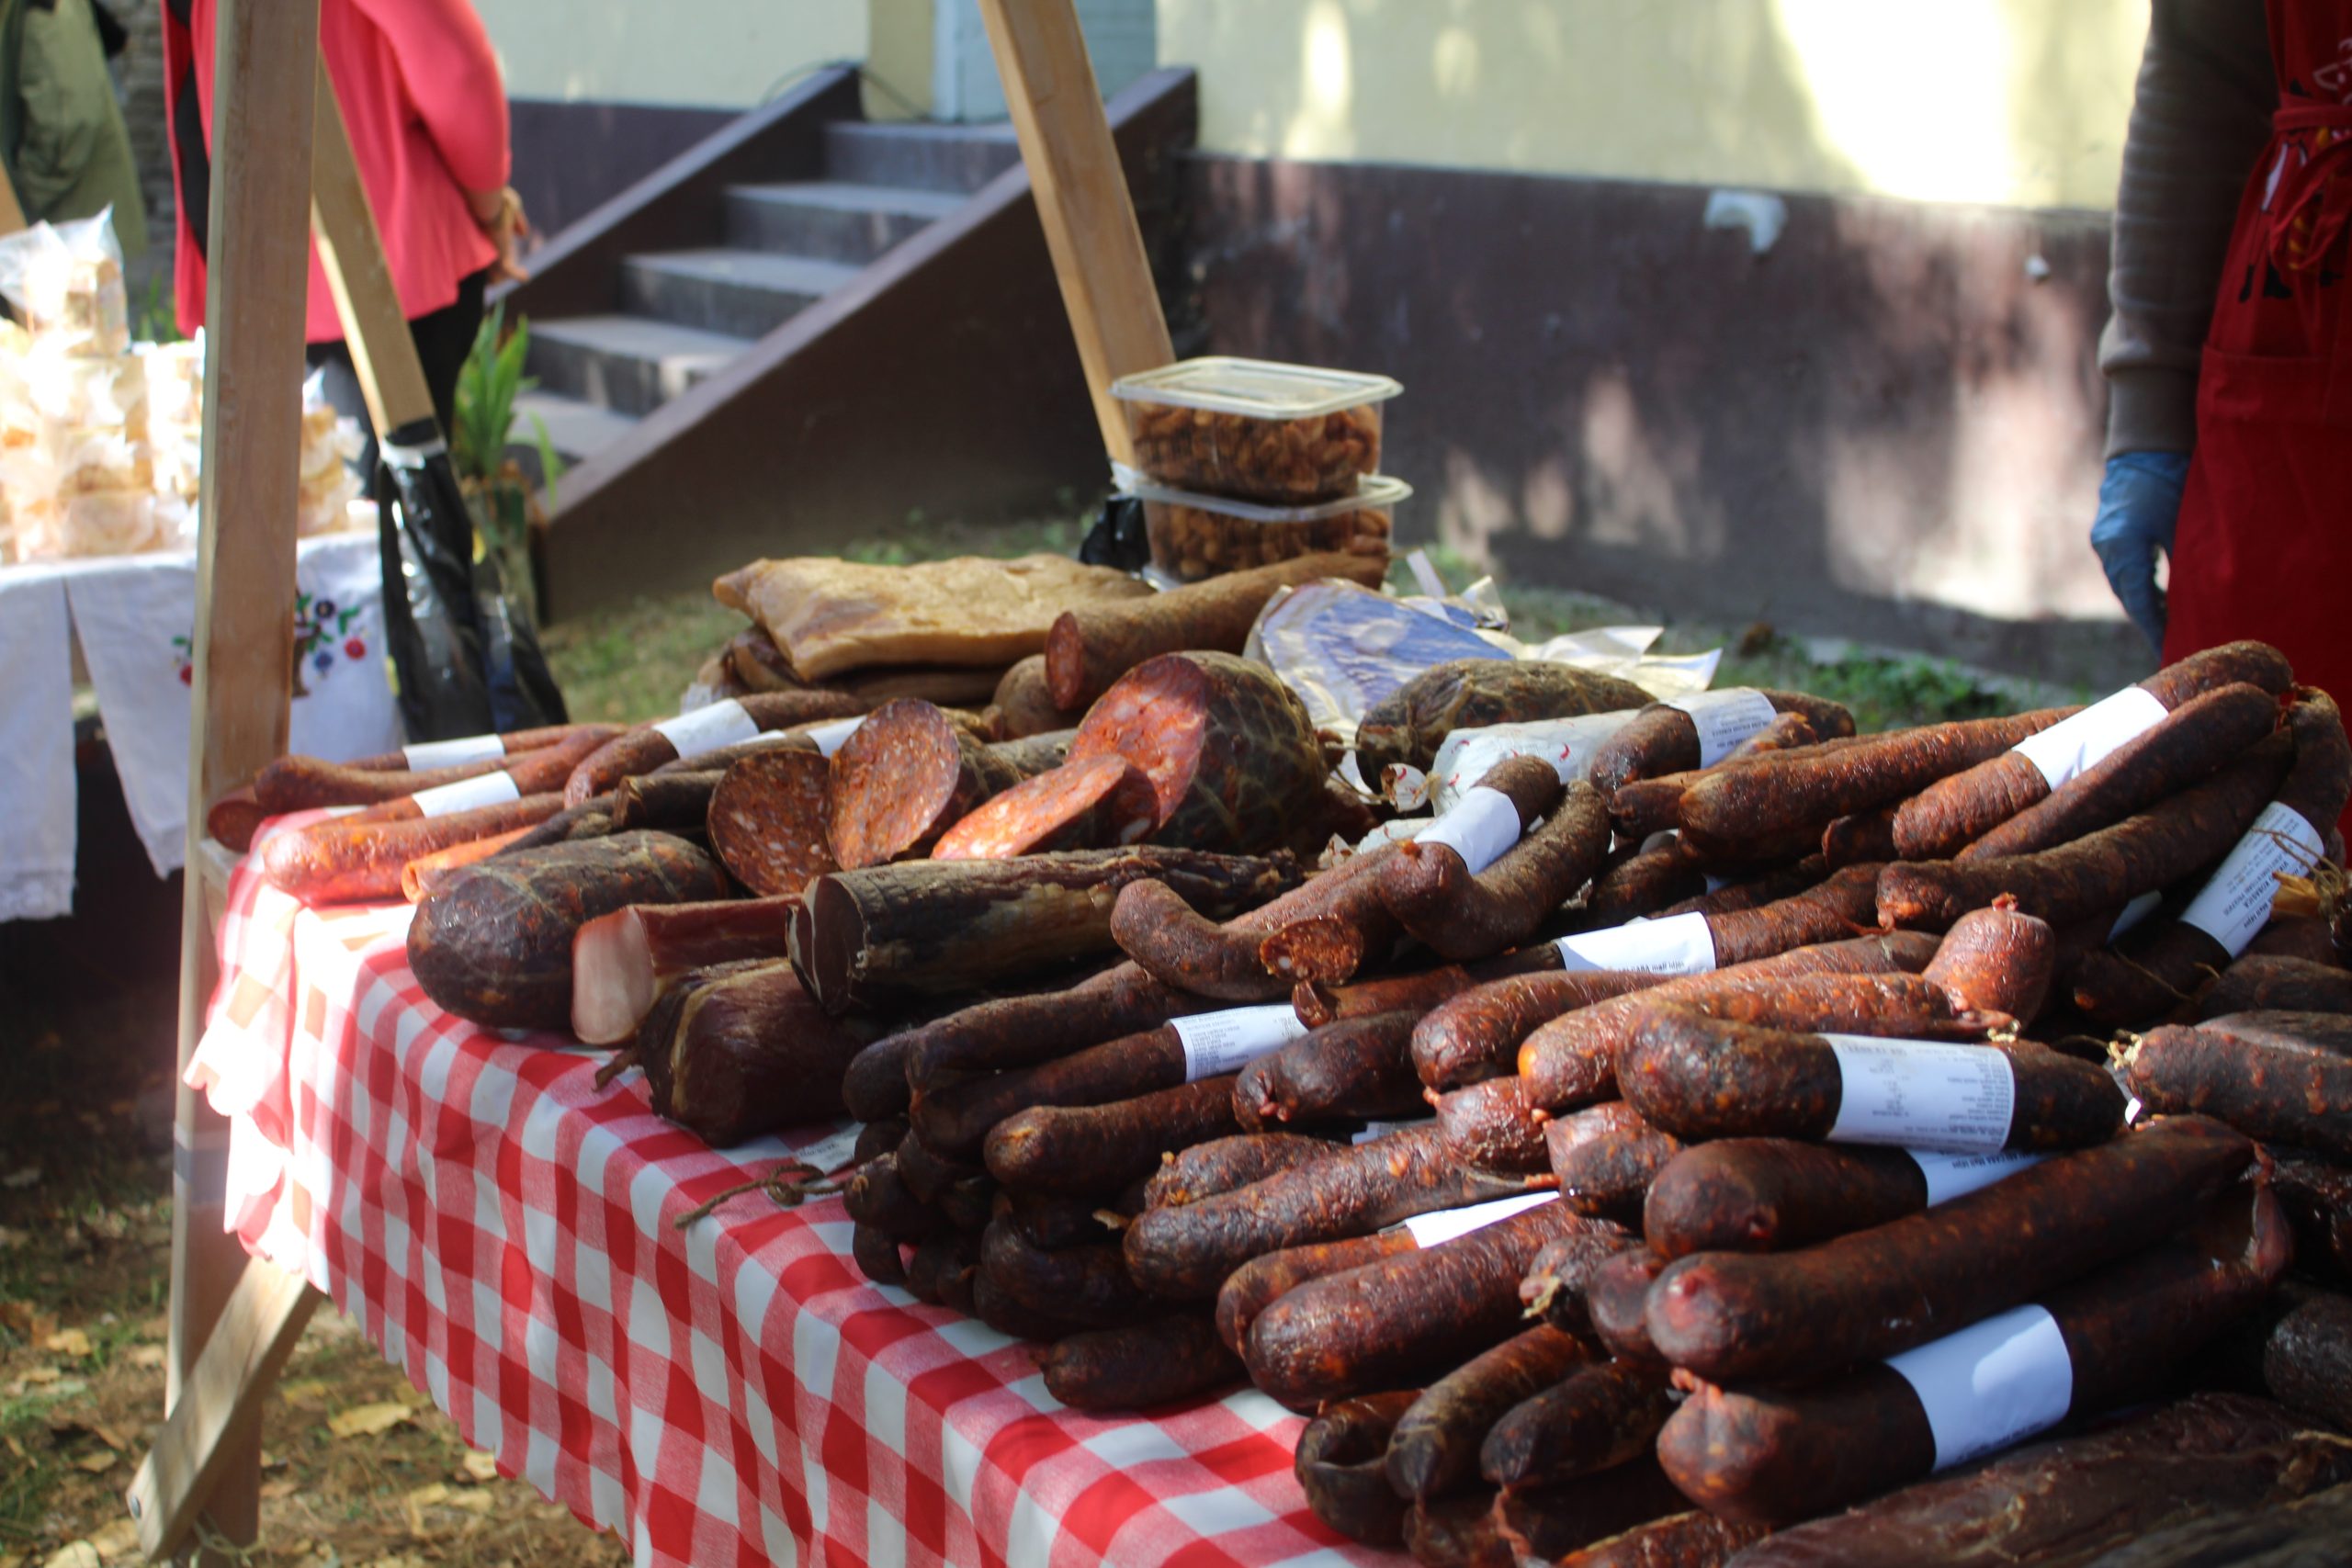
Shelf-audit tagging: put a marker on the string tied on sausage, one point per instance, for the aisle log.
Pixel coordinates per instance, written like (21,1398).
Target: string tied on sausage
(792,1183)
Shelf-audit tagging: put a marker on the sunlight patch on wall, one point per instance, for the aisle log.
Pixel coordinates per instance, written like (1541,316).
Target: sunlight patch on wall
(1323,125)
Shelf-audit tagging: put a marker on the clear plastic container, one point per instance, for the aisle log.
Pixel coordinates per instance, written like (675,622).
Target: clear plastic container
(1254,429)
(1195,536)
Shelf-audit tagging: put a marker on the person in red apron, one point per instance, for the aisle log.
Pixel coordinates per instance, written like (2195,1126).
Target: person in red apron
(2238,461)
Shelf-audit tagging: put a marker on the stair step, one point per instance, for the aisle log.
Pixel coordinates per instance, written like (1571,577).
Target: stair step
(916,155)
(627,364)
(741,293)
(576,430)
(832,219)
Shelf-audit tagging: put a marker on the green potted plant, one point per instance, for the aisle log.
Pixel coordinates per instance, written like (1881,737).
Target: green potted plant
(505,510)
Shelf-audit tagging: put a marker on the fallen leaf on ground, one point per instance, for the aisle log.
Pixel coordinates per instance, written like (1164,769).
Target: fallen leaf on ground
(417,1502)
(158,1328)
(116,1541)
(11,1560)
(26,1320)
(98,1461)
(283,1487)
(146,1357)
(67,1342)
(72,1554)
(308,1388)
(473,1499)
(369,1420)
(480,1466)
(40,1375)
(110,1437)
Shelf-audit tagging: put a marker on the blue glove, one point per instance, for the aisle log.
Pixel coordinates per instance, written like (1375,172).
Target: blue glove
(2139,501)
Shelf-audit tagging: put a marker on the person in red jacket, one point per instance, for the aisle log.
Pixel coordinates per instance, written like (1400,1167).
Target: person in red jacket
(2229,354)
(426,114)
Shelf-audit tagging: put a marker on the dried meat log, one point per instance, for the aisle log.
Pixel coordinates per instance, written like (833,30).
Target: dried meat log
(1729,1316)
(1949,813)
(1000,1311)
(1100,1148)
(1665,740)
(1434,1448)
(1777,1194)
(493,943)
(1997,960)
(1460,916)
(624,960)
(1090,646)
(1773,1456)
(878,1198)
(768,820)
(1699,1078)
(1230,750)
(2307,1354)
(942,1270)
(647,747)
(590,819)
(1021,1031)
(1140,1366)
(1616,1301)
(2316,1192)
(1190,954)
(1795,790)
(1086,1285)
(674,803)
(340,860)
(2308,937)
(304,784)
(2100,871)
(2307,1531)
(1694,1538)
(2193,742)
(1101,803)
(1188,1251)
(1340,1468)
(1397,1320)
(2261,983)
(1598,1417)
(1606,1157)
(1024,704)
(1358,1068)
(1651,880)
(1221,1166)
(529,774)
(2283,1075)
(946,926)
(751,1053)
(876,1255)
(1405,727)
(1492,1123)
(1477,1034)
(1555,1285)
(1265,1279)
(1572,1060)
(1461,1531)
(425,872)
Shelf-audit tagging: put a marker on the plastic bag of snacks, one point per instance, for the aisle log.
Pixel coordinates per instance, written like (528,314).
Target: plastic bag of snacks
(330,443)
(65,281)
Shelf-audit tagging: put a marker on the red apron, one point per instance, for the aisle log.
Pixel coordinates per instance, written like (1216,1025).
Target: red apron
(2264,547)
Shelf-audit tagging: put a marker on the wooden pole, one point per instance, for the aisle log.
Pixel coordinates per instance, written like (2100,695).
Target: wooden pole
(242,682)
(1082,199)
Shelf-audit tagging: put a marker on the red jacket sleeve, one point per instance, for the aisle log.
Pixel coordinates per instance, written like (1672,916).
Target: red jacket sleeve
(451,75)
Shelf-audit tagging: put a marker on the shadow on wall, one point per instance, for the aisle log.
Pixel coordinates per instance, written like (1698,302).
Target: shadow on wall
(1884,428)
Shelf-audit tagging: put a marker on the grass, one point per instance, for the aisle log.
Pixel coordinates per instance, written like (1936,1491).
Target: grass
(631,664)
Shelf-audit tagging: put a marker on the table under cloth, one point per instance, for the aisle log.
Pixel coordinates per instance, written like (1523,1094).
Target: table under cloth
(733,1392)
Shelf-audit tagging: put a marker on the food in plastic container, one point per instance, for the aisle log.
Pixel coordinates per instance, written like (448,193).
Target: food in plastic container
(1255,429)
(1193,536)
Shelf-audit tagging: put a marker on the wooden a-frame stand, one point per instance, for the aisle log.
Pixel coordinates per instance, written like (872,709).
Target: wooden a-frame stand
(234,1320)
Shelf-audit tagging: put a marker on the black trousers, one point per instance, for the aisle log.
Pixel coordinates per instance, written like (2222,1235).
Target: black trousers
(443,338)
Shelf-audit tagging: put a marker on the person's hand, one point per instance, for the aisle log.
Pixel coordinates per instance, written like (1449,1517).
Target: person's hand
(499,213)
(2139,501)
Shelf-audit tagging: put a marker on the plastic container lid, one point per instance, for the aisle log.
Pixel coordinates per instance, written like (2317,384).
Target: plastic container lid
(1260,388)
(1376,491)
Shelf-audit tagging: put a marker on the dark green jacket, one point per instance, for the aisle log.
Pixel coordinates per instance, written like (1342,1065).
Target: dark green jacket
(60,130)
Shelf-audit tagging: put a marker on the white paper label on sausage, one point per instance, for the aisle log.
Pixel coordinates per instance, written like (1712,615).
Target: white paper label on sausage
(1429,1230)
(832,1152)
(425,755)
(2072,747)
(2139,909)
(1479,827)
(709,728)
(1992,1384)
(489,789)
(1678,945)
(1220,1042)
(1382,1129)
(1956,1176)
(2234,903)
(829,734)
(1724,719)
(1568,744)
(1922,1094)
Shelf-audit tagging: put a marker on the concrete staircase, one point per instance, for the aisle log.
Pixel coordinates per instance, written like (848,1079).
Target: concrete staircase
(685,314)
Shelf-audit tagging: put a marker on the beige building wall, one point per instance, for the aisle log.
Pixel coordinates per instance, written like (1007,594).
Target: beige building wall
(2018,103)
(725,54)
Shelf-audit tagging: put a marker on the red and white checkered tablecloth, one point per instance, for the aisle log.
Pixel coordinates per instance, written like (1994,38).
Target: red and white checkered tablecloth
(733,1392)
